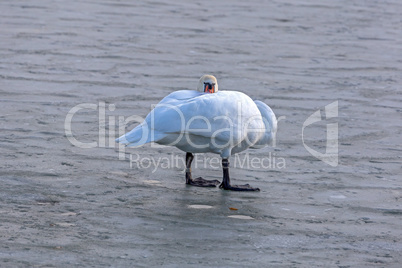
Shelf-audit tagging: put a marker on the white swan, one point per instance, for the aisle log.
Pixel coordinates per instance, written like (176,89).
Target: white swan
(225,122)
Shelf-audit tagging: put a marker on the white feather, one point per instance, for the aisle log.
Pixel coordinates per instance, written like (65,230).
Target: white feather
(226,122)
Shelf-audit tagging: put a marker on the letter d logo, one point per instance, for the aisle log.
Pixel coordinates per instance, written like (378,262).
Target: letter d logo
(331,152)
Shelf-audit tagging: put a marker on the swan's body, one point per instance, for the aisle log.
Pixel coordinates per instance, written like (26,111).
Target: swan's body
(224,123)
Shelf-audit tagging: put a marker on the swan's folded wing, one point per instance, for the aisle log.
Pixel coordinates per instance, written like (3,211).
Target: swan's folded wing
(220,116)
(164,118)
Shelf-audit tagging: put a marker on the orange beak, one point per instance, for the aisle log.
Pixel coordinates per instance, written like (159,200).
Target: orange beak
(209,88)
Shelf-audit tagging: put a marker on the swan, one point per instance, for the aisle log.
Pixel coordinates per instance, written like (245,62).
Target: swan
(207,120)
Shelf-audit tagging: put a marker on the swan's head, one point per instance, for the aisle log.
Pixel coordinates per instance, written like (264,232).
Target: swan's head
(208,84)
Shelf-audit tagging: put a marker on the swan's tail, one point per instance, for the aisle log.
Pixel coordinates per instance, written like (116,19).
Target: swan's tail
(138,136)
(270,122)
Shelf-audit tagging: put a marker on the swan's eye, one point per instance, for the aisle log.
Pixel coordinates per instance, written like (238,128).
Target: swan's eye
(209,87)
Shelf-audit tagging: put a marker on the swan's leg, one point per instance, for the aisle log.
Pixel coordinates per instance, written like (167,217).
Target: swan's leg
(200,182)
(226,180)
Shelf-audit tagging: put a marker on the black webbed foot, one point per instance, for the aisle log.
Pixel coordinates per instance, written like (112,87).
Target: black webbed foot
(245,187)
(200,182)
(226,180)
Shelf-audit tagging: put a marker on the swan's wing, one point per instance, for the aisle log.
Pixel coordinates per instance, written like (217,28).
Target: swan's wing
(163,120)
(220,116)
